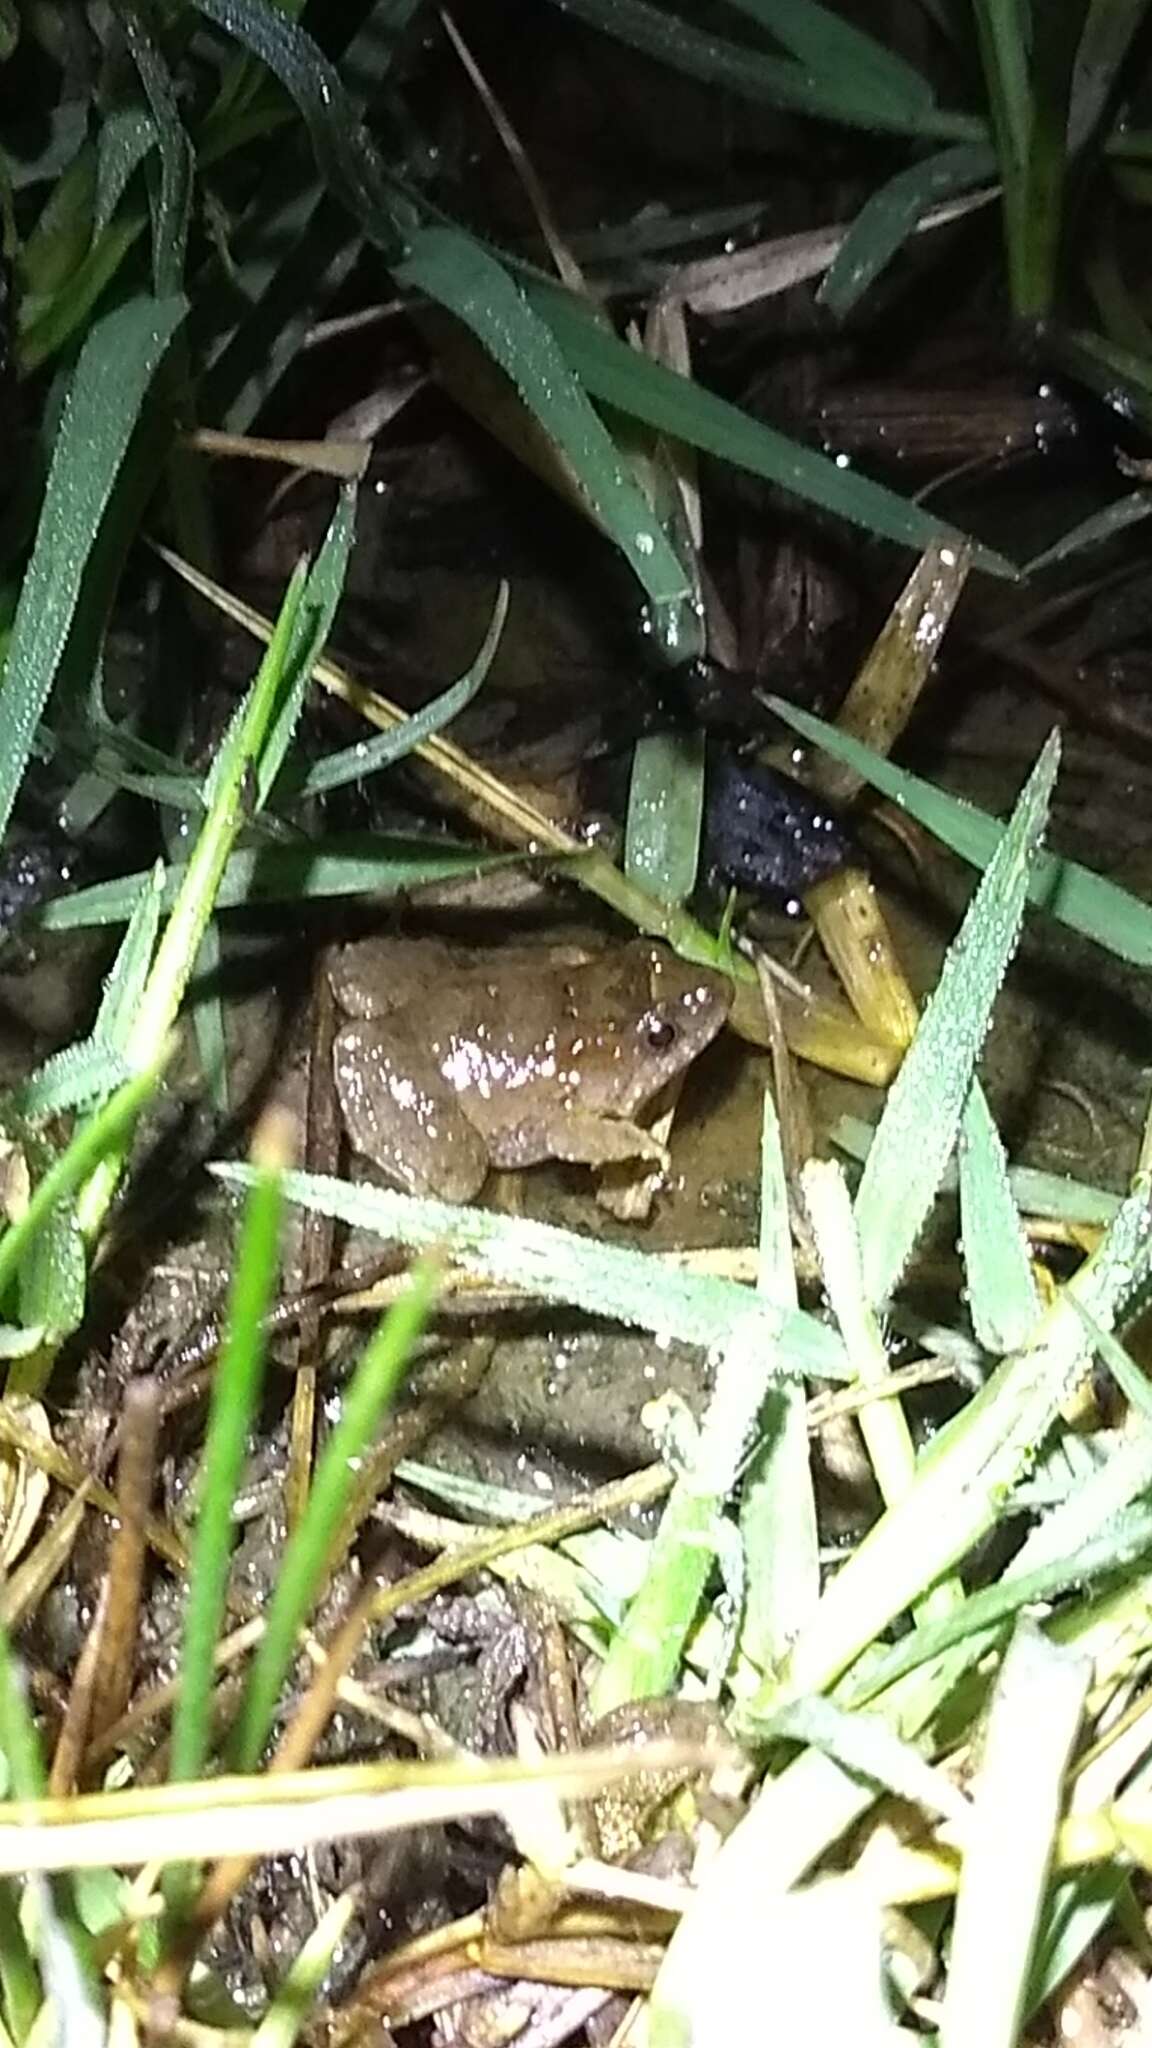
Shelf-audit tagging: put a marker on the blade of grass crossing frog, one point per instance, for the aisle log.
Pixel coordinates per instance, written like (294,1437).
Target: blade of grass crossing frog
(460,276)
(886,220)
(917,1131)
(558,1265)
(831,47)
(352,764)
(1080,899)
(116,366)
(170,209)
(968,1472)
(622,377)
(1002,1298)
(1009,1837)
(777,1502)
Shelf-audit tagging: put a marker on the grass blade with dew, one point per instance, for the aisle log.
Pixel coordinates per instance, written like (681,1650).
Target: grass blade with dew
(892,214)
(1035,1193)
(101,1137)
(235,1395)
(917,1131)
(322,594)
(647,1649)
(584,1272)
(243,758)
(172,200)
(1093,531)
(366,1401)
(1008,1840)
(860,97)
(1002,1297)
(822,41)
(777,1501)
(971,1467)
(649,391)
(358,864)
(458,275)
(1086,902)
(106,393)
(367,757)
(883,1424)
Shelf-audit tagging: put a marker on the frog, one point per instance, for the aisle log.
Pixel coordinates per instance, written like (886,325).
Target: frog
(453,1061)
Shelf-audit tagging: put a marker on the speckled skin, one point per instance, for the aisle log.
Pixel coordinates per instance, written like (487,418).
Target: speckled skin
(459,1061)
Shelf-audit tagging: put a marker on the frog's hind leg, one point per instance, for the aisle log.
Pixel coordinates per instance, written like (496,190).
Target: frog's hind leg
(399,1114)
(579,1136)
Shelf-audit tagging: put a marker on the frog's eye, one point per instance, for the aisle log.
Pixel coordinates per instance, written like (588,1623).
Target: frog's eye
(660,1034)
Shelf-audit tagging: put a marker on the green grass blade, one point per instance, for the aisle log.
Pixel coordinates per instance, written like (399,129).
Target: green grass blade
(358,864)
(1027,1745)
(1002,1297)
(373,1388)
(893,212)
(124,140)
(977,1621)
(665,815)
(1093,531)
(20,1990)
(1073,894)
(455,272)
(96,1139)
(1104,44)
(322,594)
(970,1469)
(561,1266)
(235,1393)
(1003,29)
(173,201)
(648,391)
(917,1131)
(108,387)
(367,757)
(827,44)
(860,97)
(646,1651)
(777,1500)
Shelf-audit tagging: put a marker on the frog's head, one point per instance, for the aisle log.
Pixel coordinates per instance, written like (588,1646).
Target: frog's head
(673,1012)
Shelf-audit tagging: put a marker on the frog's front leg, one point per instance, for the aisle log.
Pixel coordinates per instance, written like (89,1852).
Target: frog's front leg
(400,1115)
(577,1135)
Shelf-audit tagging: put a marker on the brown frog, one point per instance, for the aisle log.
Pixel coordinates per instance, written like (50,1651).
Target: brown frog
(463,1060)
